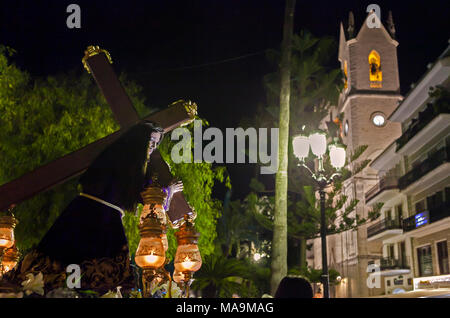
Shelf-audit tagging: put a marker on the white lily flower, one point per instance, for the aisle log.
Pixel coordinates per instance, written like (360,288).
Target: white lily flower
(34,284)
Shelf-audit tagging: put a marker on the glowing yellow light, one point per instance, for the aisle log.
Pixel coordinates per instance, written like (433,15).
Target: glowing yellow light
(187,263)
(6,237)
(346,75)
(187,258)
(375,74)
(150,253)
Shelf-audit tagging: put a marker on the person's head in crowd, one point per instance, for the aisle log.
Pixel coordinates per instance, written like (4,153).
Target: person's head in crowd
(294,287)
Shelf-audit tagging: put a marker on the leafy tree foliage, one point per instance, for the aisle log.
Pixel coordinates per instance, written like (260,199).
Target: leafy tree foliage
(199,180)
(221,276)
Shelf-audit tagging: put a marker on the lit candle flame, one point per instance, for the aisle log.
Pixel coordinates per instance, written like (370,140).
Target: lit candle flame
(187,263)
(152,258)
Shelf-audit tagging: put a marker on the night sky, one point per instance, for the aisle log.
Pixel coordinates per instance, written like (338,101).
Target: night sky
(210,52)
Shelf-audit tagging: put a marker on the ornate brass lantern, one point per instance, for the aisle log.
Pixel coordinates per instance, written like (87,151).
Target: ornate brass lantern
(7,225)
(187,258)
(150,254)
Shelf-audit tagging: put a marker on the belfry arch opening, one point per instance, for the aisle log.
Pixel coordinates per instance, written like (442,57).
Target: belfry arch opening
(375,74)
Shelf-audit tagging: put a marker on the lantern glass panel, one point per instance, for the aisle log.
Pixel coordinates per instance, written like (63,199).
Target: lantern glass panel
(337,156)
(318,143)
(300,144)
(6,237)
(188,258)
(150,253)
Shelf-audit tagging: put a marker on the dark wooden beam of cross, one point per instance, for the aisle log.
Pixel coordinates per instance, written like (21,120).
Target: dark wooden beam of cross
(97,62)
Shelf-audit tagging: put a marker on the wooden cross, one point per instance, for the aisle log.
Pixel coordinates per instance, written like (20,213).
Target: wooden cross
(97,62)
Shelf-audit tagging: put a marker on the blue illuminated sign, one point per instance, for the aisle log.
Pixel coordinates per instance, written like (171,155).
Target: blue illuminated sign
(421,218)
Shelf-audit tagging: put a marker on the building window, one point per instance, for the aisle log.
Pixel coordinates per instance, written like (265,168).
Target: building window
(389,215)
(375,73)
(345,75)
(442,253)
(435,201)
(390,251)
(420,206)
(425,261)
(402,255)
(399,211)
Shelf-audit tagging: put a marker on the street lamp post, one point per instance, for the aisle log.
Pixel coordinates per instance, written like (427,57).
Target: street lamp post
(317,141)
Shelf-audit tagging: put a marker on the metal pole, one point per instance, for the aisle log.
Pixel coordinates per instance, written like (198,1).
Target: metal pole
(323,235)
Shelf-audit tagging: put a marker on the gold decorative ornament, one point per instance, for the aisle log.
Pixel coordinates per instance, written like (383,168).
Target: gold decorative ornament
(191,109)
(93,50)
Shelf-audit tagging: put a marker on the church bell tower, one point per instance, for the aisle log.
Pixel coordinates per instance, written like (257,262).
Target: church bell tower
(371,93)
(372,87)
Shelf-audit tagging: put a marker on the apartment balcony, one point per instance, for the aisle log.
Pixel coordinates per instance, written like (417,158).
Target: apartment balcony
(383,191)
(384,229)
(428,172)
(431,121)
(432,215)
(392,266)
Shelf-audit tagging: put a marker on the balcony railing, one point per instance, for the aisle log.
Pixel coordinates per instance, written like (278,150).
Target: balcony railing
(385,183)
(393,263)
(382,226)
(435,160)
(433,214)
(425,117)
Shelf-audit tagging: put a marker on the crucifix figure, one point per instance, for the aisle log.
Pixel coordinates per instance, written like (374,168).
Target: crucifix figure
(89,232)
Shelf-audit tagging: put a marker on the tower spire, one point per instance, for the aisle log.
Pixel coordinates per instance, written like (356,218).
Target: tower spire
(351,24)
(390,24)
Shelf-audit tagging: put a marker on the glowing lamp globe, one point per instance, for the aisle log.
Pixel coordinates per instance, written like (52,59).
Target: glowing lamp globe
(7,224)
(337,156)
(300,144)
(187,257)
(318,143)
(150,253)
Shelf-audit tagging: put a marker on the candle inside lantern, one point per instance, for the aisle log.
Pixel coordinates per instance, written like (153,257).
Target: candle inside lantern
(6,237)
(187,258)
(150,253)
(188,264)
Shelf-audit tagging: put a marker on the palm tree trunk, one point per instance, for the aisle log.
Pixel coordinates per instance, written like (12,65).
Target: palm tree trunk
(279,242)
